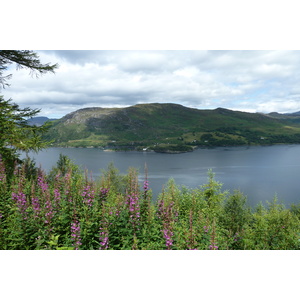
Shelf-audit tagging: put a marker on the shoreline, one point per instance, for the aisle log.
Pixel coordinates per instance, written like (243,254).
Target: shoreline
(169,151)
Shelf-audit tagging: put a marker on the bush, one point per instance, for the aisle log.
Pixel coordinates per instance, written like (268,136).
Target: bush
(68,210)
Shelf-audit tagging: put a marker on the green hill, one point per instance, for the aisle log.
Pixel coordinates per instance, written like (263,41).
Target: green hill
(170,127)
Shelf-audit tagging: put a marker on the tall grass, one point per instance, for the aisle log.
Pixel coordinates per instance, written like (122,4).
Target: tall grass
(66,209)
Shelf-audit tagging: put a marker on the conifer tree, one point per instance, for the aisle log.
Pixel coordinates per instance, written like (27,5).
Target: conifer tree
(23,59)
(15,132)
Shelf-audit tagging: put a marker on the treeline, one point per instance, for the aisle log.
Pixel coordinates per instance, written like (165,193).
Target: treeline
(233,136)
(165,148)
(66,209)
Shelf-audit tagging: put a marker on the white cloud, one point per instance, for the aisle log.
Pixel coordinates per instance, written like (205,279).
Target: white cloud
(243,80)
(188,72)
(284,106)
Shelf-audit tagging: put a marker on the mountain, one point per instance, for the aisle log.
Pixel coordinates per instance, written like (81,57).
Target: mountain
(38,121)
(169,127)
(295,114)
(285,115)
(287,118)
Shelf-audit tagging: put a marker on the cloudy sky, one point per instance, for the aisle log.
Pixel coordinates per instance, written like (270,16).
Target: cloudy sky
(253,81)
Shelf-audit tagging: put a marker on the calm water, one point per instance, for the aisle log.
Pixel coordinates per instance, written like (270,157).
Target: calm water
(259,172)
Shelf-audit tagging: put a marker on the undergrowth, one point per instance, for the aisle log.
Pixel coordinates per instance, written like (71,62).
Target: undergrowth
(67,209)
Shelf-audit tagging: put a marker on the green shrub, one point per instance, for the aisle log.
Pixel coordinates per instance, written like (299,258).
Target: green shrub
(67,209)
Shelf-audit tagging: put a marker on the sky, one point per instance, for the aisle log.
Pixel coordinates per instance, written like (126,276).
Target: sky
(253,81)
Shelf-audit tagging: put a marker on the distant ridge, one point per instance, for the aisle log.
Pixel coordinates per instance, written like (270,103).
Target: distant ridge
(161,127)
(293,114)
(39,121)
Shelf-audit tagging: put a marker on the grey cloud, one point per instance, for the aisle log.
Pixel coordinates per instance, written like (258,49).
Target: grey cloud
(202,79)
(79,56)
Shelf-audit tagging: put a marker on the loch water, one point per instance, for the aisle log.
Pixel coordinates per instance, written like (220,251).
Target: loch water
(259,172)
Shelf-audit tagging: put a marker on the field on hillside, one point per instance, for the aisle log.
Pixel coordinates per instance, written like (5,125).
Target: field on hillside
(169,126)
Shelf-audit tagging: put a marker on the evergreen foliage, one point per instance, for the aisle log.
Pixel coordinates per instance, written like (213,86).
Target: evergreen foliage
(23,59)
(15,132)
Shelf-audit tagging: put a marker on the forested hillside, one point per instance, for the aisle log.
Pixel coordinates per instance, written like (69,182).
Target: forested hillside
(170,126)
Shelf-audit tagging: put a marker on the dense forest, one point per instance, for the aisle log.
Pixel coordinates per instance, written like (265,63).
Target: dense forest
(67,209)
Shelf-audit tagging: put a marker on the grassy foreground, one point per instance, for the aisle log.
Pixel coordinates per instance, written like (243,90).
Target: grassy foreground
(66,209)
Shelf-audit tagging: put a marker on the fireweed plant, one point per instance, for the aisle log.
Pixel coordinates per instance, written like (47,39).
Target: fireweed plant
(66,209)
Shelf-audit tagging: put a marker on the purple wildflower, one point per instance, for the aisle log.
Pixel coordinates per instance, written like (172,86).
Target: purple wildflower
(166,212)
(168,236)
(75,234)
(20,199)
(42,183)
(104,242)
(88,195)
(57,195)
(146,186)
(213,247)
(36,206)
(103,238)
(103,193)
(134,209)
(160,211)
(49,212)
